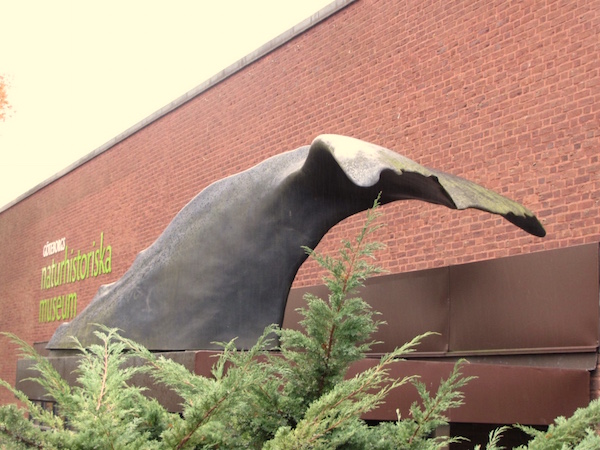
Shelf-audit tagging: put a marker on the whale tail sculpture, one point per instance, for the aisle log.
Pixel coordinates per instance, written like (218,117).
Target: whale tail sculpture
(224,266)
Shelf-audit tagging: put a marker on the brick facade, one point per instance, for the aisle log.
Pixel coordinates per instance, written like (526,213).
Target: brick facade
(506,94)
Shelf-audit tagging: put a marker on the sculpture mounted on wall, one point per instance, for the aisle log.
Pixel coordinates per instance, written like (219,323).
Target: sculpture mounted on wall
(224,266)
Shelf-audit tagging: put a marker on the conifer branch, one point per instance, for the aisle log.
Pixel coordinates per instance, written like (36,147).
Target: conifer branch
(299,399)
(21,439)
(104,375)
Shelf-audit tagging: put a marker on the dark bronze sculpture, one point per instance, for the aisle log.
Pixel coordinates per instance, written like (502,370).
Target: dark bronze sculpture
(224,266)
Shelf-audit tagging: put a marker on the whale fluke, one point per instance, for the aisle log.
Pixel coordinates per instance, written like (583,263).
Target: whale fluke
(224,266)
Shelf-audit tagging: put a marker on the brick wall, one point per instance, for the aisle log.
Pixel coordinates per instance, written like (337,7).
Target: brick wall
(506,94)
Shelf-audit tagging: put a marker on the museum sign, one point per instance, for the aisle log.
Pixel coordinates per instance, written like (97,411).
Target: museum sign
(74,267)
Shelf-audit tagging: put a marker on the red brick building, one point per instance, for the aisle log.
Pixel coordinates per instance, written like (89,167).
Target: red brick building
(506,94)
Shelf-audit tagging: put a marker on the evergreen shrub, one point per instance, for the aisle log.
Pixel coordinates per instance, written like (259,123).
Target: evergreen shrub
(296,398)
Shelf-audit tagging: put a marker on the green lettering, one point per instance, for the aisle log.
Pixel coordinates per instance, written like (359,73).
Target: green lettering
(55,274)
(43,311)
(48,277)
(101,269)
(108,260)
(59,305)
(96,256)
(43,278)
(53,309)
(90,258)
(78,265)
(83,267)
(66,306)
(48,307)
(73,267)
(74,275)
(66,268)
(59,270)
(70,308)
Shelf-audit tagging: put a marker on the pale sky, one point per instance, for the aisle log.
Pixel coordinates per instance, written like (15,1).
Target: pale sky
(82,72)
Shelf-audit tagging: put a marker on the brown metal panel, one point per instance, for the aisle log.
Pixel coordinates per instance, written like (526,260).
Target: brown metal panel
(23,382)
(410,304)
(537,302)
(527,395)
(67,367)
(295,300)
(500,394)
(204,360)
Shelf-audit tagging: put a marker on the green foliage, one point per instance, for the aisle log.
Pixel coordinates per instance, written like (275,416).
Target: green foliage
(102,408)
(416,432)
(578,432)
(336,331)
(494,439)
(300,397)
